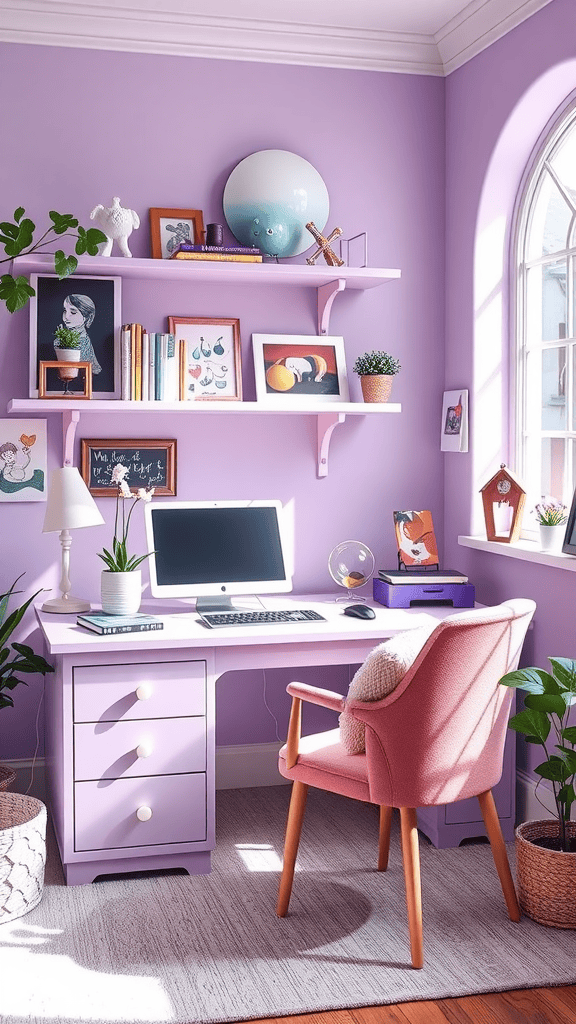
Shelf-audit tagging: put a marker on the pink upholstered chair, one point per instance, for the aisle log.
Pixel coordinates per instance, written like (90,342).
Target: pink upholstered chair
(437,738)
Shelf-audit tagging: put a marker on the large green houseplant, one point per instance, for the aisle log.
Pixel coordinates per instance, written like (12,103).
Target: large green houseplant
(546,850)
(15,659)
(17,238)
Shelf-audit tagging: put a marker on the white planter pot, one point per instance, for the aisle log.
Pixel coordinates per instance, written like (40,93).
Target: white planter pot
(552,537)
(121,592)
(68,355)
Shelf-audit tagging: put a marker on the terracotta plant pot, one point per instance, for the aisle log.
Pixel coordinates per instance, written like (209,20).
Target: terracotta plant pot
(376,387)
(546,878)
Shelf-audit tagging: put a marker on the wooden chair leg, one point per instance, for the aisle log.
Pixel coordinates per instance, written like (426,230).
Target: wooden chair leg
(490,815)
(411,861)
(293,830)
(384,837)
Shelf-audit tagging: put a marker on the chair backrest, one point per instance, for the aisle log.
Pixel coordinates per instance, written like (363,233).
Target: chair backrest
(440,735)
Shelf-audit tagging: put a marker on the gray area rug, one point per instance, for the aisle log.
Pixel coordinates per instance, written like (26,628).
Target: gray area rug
(168,947)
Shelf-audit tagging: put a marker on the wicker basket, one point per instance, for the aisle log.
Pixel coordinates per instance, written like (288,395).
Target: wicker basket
(7,776)
(546,878)
(22,854)
(376,387)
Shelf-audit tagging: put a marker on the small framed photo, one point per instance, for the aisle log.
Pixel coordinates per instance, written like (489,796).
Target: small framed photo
(169,228)
(454,433)
(92,307)
(23,460)
(415,539)
(291,369)
(150,462)
(210,357)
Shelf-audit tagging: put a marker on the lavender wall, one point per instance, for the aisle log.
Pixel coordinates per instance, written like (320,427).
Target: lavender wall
(166,131)
(496,107)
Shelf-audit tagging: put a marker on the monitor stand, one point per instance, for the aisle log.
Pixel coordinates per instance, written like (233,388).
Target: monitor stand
(214,603)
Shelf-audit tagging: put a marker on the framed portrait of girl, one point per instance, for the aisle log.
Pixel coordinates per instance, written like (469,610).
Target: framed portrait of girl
(89,306)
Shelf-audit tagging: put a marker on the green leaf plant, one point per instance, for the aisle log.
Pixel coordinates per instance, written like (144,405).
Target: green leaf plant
(24,660)
(549,697)
(17,238)
(118,560)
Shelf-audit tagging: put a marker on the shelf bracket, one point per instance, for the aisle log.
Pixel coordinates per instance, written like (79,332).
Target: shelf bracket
(326,296)
(326,423)
(70,420)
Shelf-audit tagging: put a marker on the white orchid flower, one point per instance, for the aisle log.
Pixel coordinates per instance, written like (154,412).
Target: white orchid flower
(145,493)
(118,473)
(125,491)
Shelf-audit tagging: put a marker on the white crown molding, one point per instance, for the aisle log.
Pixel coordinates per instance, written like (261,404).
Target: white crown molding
(172,27)
(479,25)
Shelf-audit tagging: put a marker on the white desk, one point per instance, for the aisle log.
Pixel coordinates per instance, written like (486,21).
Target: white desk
(130,725)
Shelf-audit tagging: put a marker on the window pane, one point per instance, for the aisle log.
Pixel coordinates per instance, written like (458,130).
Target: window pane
(564,159)
(546,302)
(553,458)
(549,222)
(554,389)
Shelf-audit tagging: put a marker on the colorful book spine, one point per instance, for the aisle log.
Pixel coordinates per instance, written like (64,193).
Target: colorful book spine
(216,257)
(132,361)
(152,369)
(145,365)
(240,250)
(125,363)
(171,384)
(158,371)
(138,363)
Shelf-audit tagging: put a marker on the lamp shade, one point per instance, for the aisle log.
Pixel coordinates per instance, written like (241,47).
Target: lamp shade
(69,505)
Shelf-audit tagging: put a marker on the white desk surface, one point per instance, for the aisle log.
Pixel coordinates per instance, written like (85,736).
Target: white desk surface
(183,628)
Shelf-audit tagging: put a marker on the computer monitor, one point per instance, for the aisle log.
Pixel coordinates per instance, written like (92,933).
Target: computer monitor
(211,550)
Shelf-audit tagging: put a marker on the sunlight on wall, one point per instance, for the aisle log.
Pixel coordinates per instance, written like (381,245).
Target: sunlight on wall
(52,987)
(259,856)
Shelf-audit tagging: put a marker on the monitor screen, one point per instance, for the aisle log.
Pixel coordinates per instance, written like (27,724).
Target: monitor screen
(216,548)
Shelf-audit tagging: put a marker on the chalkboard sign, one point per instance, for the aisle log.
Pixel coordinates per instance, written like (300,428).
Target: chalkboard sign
(150,463)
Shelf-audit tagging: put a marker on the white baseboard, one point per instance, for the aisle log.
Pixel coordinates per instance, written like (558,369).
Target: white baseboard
(30,777)
(248,764)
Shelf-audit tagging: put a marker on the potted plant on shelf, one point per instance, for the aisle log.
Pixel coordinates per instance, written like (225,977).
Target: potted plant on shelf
(552,518)
(376,371)
(546,849)
(17,237)
(67,342)
(121,581)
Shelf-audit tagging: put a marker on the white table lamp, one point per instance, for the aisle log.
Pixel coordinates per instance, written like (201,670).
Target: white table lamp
(69,506)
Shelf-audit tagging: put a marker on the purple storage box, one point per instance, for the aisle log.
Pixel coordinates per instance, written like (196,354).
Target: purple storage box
(406,595)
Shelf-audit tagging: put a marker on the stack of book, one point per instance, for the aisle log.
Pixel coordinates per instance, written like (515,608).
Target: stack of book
(222,253)
(107,625)
(150,366)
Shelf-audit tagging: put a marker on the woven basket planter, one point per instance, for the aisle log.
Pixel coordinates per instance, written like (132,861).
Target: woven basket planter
(7,776)
(22,854)
(546,878)
(376,387)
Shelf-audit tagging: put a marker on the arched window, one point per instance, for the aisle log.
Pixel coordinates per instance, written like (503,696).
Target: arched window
(546,320)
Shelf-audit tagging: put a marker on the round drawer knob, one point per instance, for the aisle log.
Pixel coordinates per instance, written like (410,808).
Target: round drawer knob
(144,813)
(144,691)
(144,749)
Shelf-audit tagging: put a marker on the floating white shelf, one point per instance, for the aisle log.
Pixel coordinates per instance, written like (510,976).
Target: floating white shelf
(329,415)
(327,280)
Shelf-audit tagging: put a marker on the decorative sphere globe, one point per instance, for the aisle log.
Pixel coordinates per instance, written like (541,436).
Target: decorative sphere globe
(351,564)
(269,198)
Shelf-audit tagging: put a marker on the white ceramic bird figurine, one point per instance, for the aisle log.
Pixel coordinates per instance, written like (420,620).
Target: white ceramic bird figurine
(117,223)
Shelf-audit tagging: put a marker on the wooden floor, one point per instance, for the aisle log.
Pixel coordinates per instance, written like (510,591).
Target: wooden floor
(534,1006)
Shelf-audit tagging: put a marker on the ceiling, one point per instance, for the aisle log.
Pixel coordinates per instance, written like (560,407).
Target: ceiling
(431,37)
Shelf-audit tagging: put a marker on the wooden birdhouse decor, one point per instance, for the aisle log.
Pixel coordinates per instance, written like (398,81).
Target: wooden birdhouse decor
(503,499)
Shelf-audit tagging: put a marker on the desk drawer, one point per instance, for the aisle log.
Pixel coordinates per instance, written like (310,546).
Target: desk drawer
(164,689)
(107,750)
(106,819)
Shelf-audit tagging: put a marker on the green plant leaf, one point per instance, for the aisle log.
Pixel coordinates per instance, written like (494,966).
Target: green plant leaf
(64,265)
(6,701)
(567,796)
(533,723)
(569,733)
(553,769)
(62,222)
(15,291)
(21,236)
(568,755)
(19,213)
(549,703)
(9,229)
(12,621)
(534,680)
(565,672)
(94,238)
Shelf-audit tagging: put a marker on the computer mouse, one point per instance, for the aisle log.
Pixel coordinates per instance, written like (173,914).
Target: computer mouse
(360,611)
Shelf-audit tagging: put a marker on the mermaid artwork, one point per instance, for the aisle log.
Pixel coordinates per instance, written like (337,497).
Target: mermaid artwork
(78,314)
(14,467)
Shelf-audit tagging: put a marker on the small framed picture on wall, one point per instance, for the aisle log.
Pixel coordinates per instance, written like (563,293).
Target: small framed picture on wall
(210,358)
(90,306)
(169,228)
(292,369)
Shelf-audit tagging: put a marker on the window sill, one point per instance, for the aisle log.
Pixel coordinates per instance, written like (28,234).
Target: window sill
(523,549)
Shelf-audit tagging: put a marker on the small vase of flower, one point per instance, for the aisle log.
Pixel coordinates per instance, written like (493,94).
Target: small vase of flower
(121,581)
(551,516)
